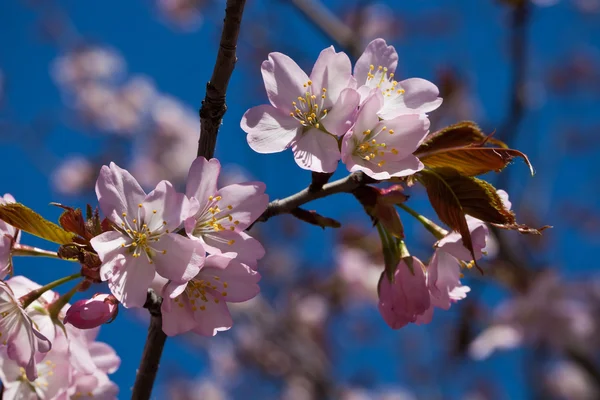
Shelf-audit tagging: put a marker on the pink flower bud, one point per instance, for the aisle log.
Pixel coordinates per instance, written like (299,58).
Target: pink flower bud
(90,313)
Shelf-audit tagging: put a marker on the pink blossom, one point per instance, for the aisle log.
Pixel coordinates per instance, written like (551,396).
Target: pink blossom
(307,114)
(359,271)
(443,283)
(406,298)
(452,243)
(143,241)
(383,149)
(73,175)
(52,374)
(375,70)
(200,305)
(224,214)
(9,235)
(18,332)
(90,313)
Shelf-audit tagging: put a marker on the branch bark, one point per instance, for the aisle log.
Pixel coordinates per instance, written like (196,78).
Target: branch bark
(317,13)
(211,114)
(155,342)
(213,106)
(287,205)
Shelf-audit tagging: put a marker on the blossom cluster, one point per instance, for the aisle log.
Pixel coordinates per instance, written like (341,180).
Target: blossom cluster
(363,117)
(41,360)
(160,240)
(416,290)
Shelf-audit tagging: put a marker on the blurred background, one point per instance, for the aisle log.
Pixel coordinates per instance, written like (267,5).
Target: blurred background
(84,83)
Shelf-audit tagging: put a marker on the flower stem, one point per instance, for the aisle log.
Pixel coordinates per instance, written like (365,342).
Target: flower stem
(32,296)
(58,305)
(432,227)
(25,250)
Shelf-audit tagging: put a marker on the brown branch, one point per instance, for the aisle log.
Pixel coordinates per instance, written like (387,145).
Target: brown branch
(287,205)
(213,106)
(211,114)
(329,23)
(146,374)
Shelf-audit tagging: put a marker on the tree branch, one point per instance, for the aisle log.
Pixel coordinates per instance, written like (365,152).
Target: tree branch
(213,106)
(146,374)
(287,205)
(211,114)
(317,13)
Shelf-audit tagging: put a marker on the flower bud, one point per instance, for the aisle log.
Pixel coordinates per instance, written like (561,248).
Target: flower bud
(90,313)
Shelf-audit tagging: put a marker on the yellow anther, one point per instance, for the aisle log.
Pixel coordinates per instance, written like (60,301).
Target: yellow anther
(230,207)
(380,68)
(231,242)
(203,308)
(368,158)
(218,198)
(374,141)
(391,131)
(309,83)
(394,151)
(164,252)
(153,211)
(140,205)
(217,301)
(210,198)
(236,222)
(124,214)
(380,163)
(224,294)
(135,220)
(164,222)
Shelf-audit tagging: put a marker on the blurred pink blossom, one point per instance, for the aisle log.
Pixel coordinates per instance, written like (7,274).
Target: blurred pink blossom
(9,235)
(359,271)
(74,175)
(184,14)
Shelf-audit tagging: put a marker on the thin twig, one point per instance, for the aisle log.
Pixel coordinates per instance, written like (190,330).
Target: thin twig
(344,185)
(317,13)
(213,107)
(146,374)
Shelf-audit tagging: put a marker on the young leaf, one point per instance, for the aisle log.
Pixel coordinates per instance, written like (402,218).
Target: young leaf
(462,134)
(444,190)
(472,161)
(27,220)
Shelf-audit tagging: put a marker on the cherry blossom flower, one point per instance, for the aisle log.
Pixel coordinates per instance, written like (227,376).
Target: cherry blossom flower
(224,214)
(452,243)
(143,241)
(406,298)
(305,113)
(91,313)
(375,70)
(200,305)
(383,149)
(18,332)
(52,375)
(9,235)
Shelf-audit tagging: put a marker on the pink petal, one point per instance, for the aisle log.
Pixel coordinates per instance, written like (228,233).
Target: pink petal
(105,357)
(79,350)
(405,167)
(215,318)
(183,258)
(332,71)
(426,317)
(377,53)
(240,279)
(367,116)
(247,201)
(409,132)
(504,197)
(341,117)
(202,179)
(420,97)
(443,277)
(284,80)
(170,206)
(243,246)
(130,283)
(269,130)
(177,319)
(118,192)
(453,244)
(108,244)
(316,151)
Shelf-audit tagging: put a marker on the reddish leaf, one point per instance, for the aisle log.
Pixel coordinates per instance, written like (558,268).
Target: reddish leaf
(472,161)
(464,133)
(444,189)
(72,220)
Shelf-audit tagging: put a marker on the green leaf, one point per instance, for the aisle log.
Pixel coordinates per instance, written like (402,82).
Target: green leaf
(462,134)
(472,161)
(27,220)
